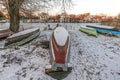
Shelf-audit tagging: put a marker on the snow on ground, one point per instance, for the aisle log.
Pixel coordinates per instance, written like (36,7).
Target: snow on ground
(91,58)
(94,58)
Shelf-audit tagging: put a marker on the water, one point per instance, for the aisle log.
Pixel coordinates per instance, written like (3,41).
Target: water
(68,26)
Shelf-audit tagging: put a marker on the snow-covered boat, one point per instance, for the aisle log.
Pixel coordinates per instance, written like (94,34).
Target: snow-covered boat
(21,37)
(59,52)
(101,26)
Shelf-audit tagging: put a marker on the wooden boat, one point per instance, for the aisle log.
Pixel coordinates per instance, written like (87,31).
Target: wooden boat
(3,21)
(59,52)
(108,31)
(101,26)
(5,33)
(22,37)
(89,30)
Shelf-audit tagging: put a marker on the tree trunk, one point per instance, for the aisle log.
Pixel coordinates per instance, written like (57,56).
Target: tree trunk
(30,17)
(14,15)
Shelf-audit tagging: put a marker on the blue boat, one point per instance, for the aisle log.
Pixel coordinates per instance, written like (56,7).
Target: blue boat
(101,26)
(108,31)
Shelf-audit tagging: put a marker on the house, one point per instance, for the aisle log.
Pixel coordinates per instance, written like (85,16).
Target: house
(44,17)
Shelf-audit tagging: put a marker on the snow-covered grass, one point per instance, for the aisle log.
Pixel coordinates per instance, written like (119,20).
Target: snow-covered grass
(91,58)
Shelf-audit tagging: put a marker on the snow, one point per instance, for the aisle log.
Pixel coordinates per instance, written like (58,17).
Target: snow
(91,58)
(61,35)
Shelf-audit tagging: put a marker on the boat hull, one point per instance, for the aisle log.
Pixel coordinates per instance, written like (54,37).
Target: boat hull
(59,54)
(101,26)
(107,31)
(89,31)
(18,40)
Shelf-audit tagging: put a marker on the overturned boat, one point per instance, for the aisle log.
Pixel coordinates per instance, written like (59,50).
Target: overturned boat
(108,31)
(21,37)
(89,30)
(59,53)
(101,26)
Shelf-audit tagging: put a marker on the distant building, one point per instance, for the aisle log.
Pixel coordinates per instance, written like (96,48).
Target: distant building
(64,17)
(44,17)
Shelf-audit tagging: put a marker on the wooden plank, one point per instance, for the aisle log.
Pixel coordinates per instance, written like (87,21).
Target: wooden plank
(59,69)
(58,74)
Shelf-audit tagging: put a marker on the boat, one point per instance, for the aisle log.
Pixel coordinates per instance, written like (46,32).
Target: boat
(88,30)
(3,21)
(101,26)
(108,31)
(5,33)
(59,54)
(21,37)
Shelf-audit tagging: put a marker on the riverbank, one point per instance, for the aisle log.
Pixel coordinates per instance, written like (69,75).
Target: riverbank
(91,58)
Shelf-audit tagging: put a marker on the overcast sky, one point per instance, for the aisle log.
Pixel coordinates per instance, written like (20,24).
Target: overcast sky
(109,7)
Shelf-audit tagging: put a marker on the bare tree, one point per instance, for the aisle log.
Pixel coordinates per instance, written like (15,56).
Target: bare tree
(14,6)
(31,6)
(118,22)
(63,5)
(119,16)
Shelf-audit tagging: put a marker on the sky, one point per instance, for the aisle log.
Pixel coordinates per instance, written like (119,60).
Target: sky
(108,7)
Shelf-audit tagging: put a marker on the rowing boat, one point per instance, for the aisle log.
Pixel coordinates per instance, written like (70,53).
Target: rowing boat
(21,37)
(101,26)
(59,52)
(88,30)
(108,31)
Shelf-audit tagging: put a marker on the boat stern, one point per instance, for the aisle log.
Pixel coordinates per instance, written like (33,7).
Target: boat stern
(59,54)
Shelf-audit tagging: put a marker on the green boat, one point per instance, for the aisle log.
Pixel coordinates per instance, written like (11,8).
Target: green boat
(21,38)
(90,31)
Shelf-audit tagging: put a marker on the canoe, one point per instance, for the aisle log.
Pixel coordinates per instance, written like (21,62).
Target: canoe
(108,31)
(101,26)
(22,37)
(59,52)
(5,33)
(89,30)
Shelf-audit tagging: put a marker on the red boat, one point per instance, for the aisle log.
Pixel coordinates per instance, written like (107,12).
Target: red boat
(5,33)
(59,52)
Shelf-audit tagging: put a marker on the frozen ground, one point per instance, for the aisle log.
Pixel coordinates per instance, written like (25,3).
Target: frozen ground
(91,58)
